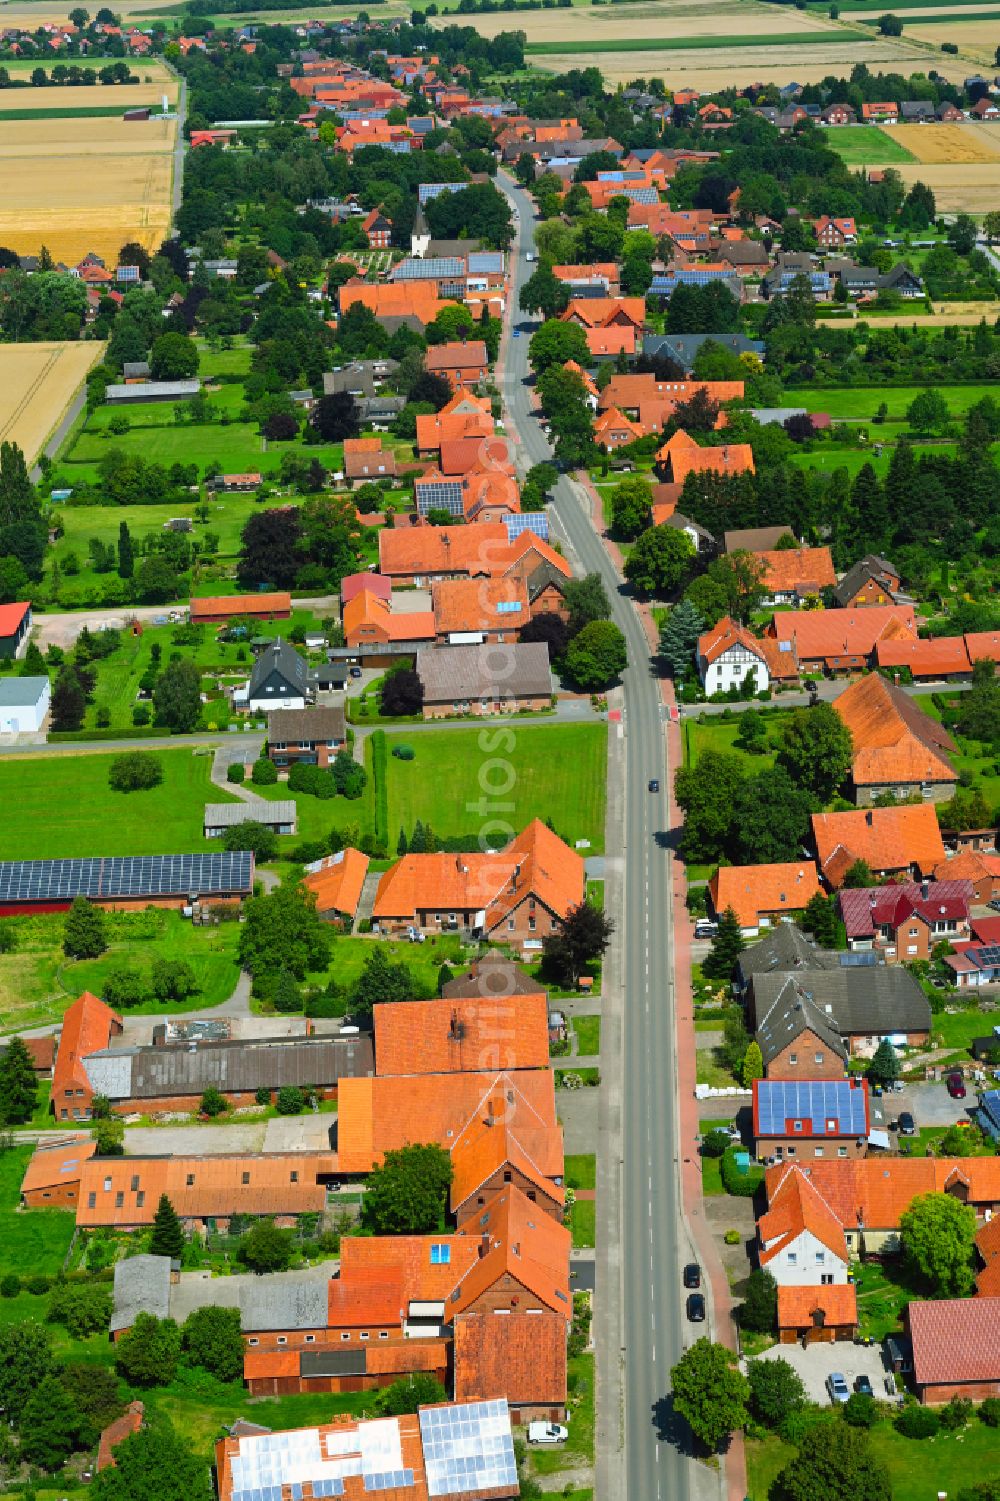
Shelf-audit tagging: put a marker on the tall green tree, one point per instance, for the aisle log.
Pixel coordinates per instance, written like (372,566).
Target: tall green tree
(727,946)
(884,1067)
(710,1391)
(69,700)
(586,600)
(776,1389)
(544,293)
(211,1339)
(25,1361)
(168,1234)
(660,561)
(84,932)
(817,749)
(937,1235)
(583,937)
(631,507)
(706,794)
(18,1084)
(834,1461)
(148,1354)
(50,1425)
(152,1465)
(770,819)
(759,1309)
(282,931)
(177,696)
(408,1194)
(126,553)
(679,638)
(819,919)
(597,656)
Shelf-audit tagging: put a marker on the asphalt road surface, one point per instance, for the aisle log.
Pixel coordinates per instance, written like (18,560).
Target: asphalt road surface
(656,1462)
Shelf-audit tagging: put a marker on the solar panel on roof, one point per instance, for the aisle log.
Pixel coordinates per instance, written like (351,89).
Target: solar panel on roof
(125,876)
(468,1447)
(989,955)
(815,1101)
(530,521)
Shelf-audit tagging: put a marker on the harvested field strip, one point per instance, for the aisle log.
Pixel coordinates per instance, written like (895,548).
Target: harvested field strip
(83,96)
(866,145)
(940,17)
(61,114)
(946,144)
(37,383)
(693,43)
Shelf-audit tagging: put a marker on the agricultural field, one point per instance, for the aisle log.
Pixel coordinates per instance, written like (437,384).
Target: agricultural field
(860,403)
(866,146)
(459,785)
(657,23)
(117,97)
(37,384)
(954,145)
(945,315)
(87,183)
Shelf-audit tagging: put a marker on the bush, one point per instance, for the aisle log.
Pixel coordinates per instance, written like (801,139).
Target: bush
(140,714)
(10,1285)
(213,1102)
(81,1307)
(989,1411)
(403,752)
(918,1422)
(740,1185)
(956,1413)
(264,773)
(172,979)
(716,1143)
(236,772)
(263,1096)
(37,1284)
(316,780)
(290,1100)
(135,772)
(732,1237)
(860,1410)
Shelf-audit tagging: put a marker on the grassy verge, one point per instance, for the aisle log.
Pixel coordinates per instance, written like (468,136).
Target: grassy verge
(581,1171)
(866,145)
(589,1076)
(588,1035)
(711,1176)
(583,1222)
(29,1242)
(696,43)
(579,1447)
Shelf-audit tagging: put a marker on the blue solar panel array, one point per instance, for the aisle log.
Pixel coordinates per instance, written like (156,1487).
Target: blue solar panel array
(435,269)
(428,190)
(468,1447)
(816,1101)
(531,521)
(485,263)
(125,876)
(391,1481)
(328,1487)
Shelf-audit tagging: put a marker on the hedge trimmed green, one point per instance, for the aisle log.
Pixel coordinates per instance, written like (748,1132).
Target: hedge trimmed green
(380,768)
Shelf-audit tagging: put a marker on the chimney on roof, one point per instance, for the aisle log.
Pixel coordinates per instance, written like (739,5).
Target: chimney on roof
(484,1245)
(869,818)
(515,877)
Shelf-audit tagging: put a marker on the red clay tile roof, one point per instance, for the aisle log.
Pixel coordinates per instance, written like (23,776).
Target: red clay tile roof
(988,1246)
(894,741)
(794,1206)
(805,1307)
(422,1280)
(459,355)
(241,604)
(724,634)
(479,549)
(801,570)
(938,656)
(354,583)
(462,1036)
(516,1238)
(683,456)
(755,891)
(955,1340)
(830,634)
(401,299)
(371,1295)
(368,618)
(520,1356)
(398,1357)
(485,1149)
(117,1432)
(87,1027)
(887,838)
(11,617)
(262,1364)
(339,881)
(983,645)
(632,390)
(380,1114)
(217,1189)
(968,865)
(51,1166)
(876,1191)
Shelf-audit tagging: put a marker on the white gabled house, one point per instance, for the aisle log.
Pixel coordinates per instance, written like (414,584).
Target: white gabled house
(800,1240)
(728,653)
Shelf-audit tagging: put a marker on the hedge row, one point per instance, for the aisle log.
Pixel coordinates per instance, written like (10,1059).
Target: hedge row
(380,764)
(134,732)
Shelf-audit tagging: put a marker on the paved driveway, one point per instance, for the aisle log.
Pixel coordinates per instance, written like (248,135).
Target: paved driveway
(929,1104)
(816,1362)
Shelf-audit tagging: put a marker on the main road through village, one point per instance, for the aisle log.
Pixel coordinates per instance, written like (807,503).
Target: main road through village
(639,1323)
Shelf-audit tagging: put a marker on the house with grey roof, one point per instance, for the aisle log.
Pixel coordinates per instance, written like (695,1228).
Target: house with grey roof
(683,348)
(142,1285)
(279,680)
(784,949)
(152,390)
(862,1002)
(279,816)
(484,679)
(24,705)
(284,1301)
(312,736)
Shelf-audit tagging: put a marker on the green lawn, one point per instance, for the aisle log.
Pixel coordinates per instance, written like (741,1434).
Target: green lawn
(579,1447)
(711,1176)
(832,456)
(583,1221)
(866,145)
(234,447)
(588,1035)
(62,805)
(472,781)
(719,734)
(30,1241)
(581,1171)
(862,402)
(694,43)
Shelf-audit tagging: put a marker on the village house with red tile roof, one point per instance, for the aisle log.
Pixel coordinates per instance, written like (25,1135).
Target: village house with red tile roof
(763,894)
(896,841)
(897,748)
(841,640)
(728,653)
(463,1035)
(793,574)
(87,1027)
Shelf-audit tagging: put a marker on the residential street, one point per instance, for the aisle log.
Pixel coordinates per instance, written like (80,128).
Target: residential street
(638,1319)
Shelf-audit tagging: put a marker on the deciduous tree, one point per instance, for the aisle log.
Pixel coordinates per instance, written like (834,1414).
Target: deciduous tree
(408,1194)
(660,561)
(834,1461)
(597,656)
(937,1236)
(710,1391)
(817,749)
(776,1389)
(211,1339)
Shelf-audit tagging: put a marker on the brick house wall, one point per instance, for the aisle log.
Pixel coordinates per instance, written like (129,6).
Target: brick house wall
(807,1057)
(495,1184)
(495,706)
(319,753)
(189,1103)
(57,1196)
(283,1386)
(529,921)
(933,1396)
(928,792)
(825,1334)
(808,1148)
(549,602)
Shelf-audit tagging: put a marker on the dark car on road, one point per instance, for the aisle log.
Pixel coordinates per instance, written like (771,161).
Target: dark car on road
(692,1274)
(956,1086)
(696,1308)
(654,785)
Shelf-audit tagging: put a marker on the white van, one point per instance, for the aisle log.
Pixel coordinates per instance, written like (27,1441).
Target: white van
(547,1433)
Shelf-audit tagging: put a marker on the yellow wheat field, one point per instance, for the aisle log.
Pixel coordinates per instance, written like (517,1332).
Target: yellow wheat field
(941,145)
(37,383)
(84,184)
(82,96)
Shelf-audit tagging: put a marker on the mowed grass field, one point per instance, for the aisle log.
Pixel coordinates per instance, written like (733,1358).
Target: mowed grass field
(861,403)
(866,145)
(463,781)
(37,384)
(62,805)
(85,183)
(29,1242)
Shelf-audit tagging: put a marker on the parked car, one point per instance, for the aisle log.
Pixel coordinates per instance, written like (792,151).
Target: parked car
(355,672)
(906,1124)
(864,1386)
(837,1387)
(705,929)
(696,1308)
(692,1274)
(956,1086)
(547,1433)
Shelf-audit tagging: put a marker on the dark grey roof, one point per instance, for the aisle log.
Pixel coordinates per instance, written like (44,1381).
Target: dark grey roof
(491,976)
(875,1000)
(142,1285)
(542,576)
(281,658)
(743,253)
(233,1067)
(449,249)
(135,369)
(792,1012)
(451,673)
(859,573)
(280,1303)
(900,272)
(784,948)
(230,815)
(360,378)
(684,347)
(370,407)
(915,109)
(347,1362)
(323,722)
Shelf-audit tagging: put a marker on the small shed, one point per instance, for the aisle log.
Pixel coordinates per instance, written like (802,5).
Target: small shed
(279,816)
